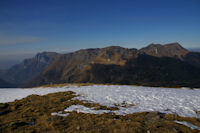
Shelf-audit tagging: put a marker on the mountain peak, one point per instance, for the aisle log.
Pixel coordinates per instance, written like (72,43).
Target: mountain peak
(174,45)
(154,45)
(44,56)
(166,50)
(44,53)
(113,47)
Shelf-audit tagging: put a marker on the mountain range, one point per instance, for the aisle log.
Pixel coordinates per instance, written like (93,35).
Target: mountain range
(168,65)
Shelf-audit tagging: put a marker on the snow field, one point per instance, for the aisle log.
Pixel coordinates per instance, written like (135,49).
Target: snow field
(183,102)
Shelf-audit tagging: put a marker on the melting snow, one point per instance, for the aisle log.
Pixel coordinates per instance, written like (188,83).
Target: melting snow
(188,124)
(60,114)
(184,102)
(83,109)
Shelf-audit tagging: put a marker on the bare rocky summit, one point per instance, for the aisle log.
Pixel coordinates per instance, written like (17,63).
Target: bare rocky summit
(167,50)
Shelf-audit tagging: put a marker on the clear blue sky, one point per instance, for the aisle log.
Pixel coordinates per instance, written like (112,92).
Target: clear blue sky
(30,26)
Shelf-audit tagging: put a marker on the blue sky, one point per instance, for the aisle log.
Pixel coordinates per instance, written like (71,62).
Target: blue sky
(31,26)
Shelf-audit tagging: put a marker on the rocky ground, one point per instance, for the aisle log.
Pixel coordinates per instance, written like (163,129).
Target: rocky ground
(33,114)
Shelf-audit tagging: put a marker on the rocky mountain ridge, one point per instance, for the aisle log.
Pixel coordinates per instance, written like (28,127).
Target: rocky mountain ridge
(168,65)
(154,65)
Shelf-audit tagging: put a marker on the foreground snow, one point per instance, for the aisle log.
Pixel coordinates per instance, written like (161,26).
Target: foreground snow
(83,109)
(9,95)
(184,102)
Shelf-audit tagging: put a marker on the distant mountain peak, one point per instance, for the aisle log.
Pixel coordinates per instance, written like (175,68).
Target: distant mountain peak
(166,50)
(28,69)
(46,54)
(114,47)
(175,45)
(154,45)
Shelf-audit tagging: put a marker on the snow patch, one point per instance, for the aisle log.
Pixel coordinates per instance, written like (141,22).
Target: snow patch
(83,109)
(60,114)
(188,124)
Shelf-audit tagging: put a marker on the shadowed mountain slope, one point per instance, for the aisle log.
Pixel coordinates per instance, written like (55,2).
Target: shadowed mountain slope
(192,58)
(147,70)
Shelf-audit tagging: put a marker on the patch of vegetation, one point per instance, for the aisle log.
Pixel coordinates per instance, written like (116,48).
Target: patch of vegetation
(73,84)
(33,115)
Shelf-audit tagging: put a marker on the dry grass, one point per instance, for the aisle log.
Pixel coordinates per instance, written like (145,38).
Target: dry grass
(90,84)
(73,84)
(33,115)
(67,84)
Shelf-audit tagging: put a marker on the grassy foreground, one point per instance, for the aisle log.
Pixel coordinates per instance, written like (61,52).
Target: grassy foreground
(33,115)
